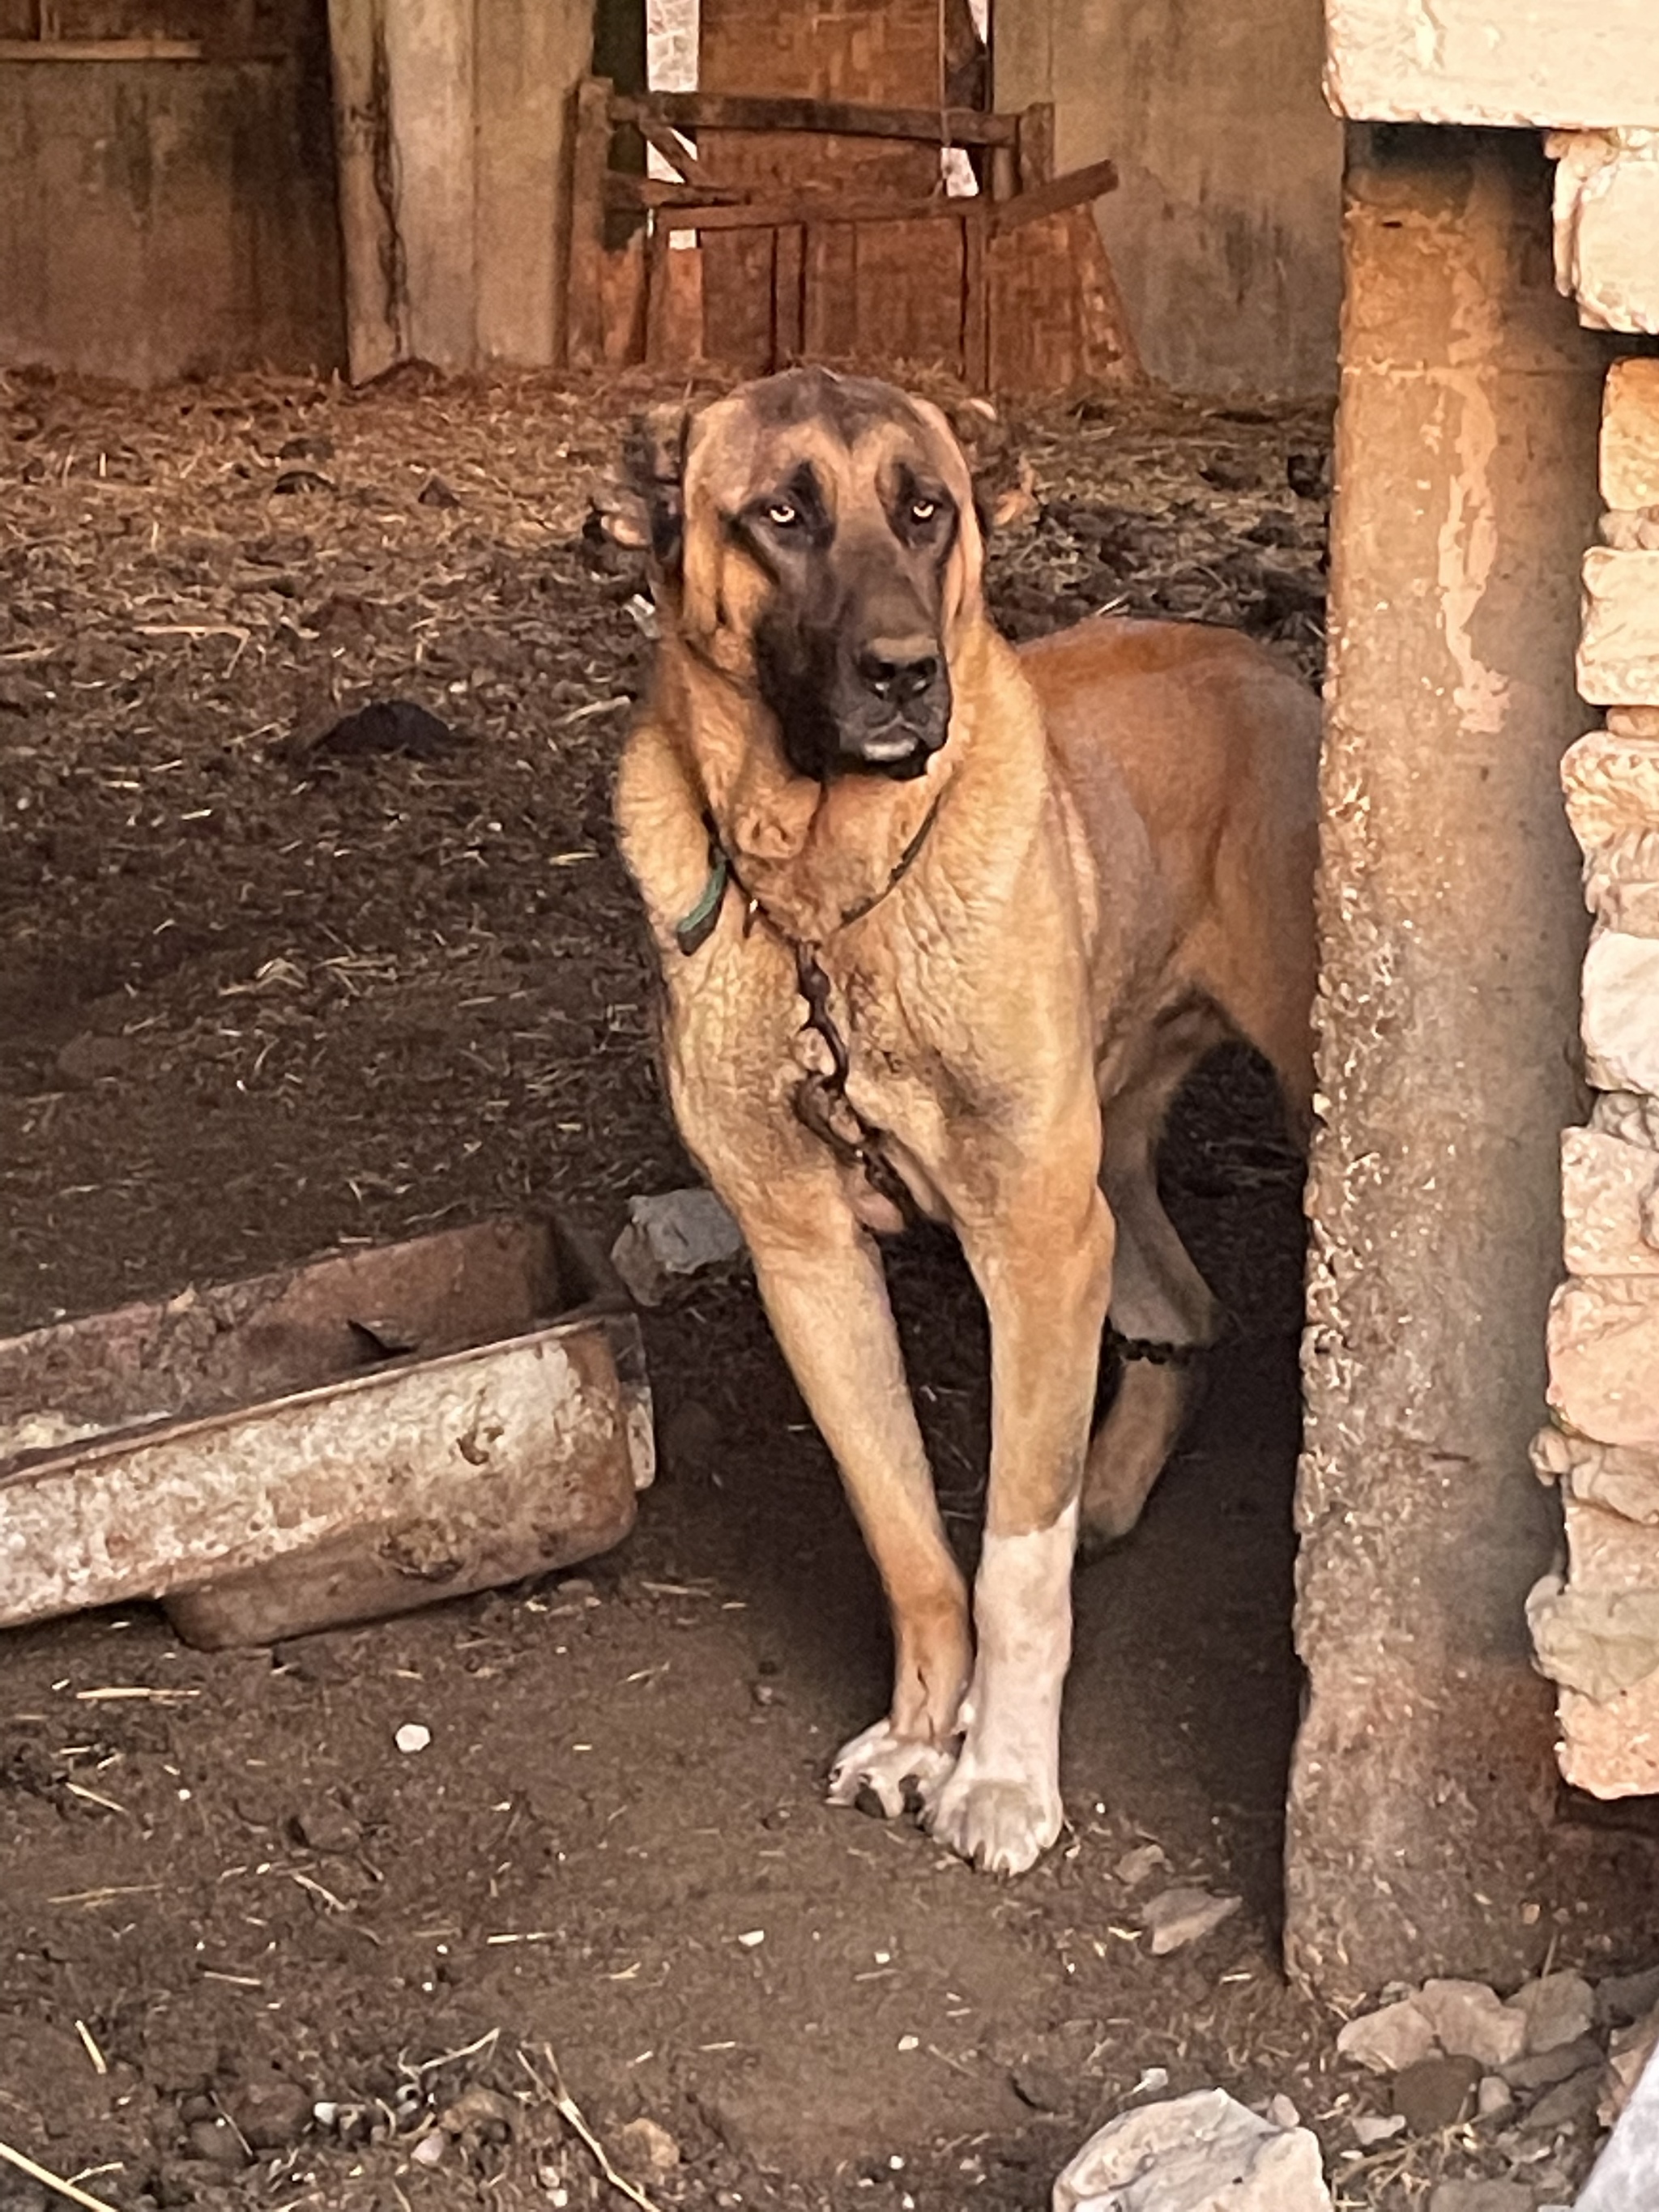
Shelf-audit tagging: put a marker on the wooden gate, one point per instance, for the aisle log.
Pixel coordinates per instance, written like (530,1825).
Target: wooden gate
(1008,289)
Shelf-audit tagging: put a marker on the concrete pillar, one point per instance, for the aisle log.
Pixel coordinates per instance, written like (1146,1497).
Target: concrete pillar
(1423,1784)
(452,123)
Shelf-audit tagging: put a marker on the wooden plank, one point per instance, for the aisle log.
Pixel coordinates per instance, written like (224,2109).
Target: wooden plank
(112,50)
(674,150)
(584,284)
(816,208)
(788,294)
(1075,189)
(708,111)
(630,194)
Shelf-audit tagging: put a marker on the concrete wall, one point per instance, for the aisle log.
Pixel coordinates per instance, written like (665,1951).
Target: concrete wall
(1420,1833)
(161,219)
(1223,231)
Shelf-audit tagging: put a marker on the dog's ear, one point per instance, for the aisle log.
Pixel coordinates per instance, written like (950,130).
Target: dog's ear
(1004,487)
(643,507)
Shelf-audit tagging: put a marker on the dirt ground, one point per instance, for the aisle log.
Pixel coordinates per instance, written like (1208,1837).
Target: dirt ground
(259,996)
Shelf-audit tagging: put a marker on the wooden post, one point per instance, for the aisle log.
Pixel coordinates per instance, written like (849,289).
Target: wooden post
(1034,145)
(584,288)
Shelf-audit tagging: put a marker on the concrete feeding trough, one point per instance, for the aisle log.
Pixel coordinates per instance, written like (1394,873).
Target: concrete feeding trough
(334,1441)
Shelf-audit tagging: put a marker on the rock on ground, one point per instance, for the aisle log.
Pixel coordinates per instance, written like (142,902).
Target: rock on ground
(1203,2152)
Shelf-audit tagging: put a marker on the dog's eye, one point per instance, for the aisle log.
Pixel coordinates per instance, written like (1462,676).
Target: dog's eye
(923,510)
(783,514)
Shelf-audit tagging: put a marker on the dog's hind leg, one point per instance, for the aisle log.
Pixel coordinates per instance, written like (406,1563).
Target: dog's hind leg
(821,1282)
(1159,1298)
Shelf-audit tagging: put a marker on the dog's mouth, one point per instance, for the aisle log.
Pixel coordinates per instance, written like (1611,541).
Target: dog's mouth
(838,715)
(899,749)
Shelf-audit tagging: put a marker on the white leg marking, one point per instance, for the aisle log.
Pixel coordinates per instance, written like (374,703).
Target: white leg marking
(882,1760)
(999,1806)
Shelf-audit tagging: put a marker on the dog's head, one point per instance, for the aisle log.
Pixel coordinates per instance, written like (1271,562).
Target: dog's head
(815,539)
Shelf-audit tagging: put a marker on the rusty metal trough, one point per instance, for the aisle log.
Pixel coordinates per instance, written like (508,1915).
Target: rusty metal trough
(333,1442)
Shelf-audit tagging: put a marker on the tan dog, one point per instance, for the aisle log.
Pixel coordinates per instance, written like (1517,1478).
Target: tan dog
(940,919)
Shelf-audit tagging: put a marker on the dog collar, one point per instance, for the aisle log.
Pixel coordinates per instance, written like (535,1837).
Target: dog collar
(693,931)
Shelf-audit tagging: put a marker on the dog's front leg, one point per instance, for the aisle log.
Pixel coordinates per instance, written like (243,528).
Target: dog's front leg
(1043,1266)
(822,1285)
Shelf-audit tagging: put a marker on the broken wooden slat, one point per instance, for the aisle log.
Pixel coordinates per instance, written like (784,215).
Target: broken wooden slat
(706,110)
(630,194)
(1075,189)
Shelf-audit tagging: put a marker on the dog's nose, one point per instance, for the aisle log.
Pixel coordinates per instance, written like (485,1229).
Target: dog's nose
(899,670)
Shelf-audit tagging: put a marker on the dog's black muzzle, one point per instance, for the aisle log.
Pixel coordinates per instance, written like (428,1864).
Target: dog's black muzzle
(881,707)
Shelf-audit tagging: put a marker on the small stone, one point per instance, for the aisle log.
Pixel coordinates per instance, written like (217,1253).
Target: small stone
(1472,2022)
(1385,2041)
(644,2147)
(271,2112)
(1435,2092)
(1188,2152)
(672,1237)
(1281,2111)
(435,492)
(1370,2129)
(429,2150)
(1621,1998)
(1494,2097)
(752,1938)
(1134,1867)
(90,1059)
(1177,1918)
(412,1737)
(481,2112)
(1566,2104)
(1543,2070)
(1039,2086)
(1480,2197)
(217,2141)
(325,1826)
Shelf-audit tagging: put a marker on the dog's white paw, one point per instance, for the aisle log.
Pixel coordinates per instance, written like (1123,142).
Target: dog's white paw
(1003,1823)
(882,1761)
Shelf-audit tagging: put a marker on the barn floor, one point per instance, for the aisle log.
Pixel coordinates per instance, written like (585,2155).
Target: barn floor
(258,996)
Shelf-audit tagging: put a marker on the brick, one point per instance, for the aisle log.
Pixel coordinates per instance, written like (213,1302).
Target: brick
(1620,1015)
(1611,1746)
(1619,648)
(1630,434)
(1608,1554)
(1596,1642)
(1604,1359)
(1610,1205)
(1607,218)
(1624,1478)
(1510,61)
(1611,785)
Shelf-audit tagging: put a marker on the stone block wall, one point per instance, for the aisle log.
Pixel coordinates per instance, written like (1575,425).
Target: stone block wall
(1596,1626)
